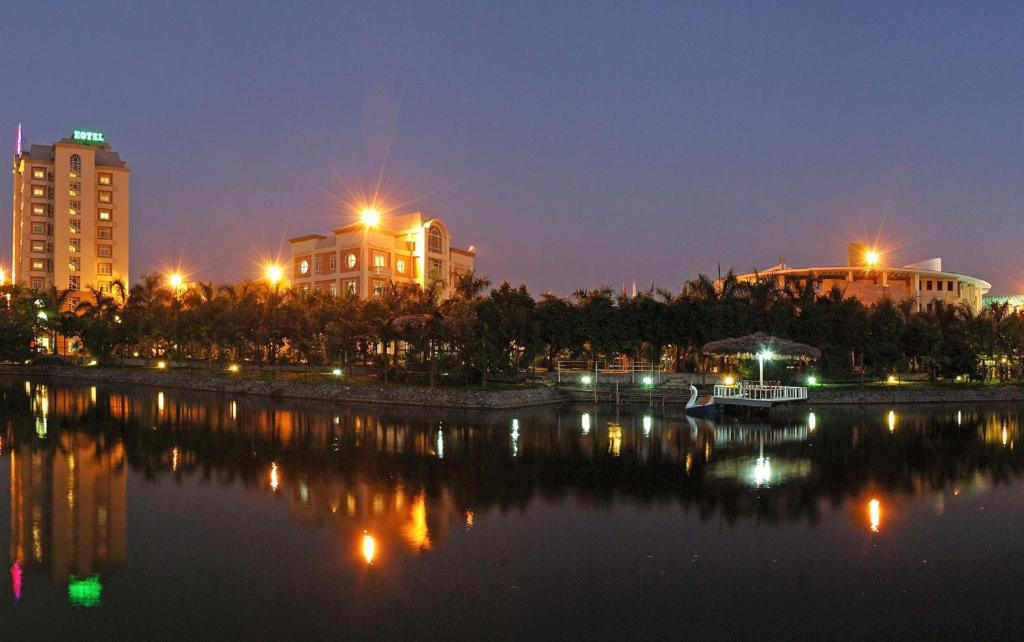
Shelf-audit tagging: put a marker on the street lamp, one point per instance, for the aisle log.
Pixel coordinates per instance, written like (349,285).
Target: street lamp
(273,273)
(370,217)
(871,258)
(762,356)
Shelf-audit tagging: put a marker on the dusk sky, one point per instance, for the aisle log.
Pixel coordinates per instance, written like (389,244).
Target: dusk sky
(573,144)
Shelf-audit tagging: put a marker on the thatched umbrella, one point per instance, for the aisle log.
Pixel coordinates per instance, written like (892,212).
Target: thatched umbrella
(411,322)
(761,346)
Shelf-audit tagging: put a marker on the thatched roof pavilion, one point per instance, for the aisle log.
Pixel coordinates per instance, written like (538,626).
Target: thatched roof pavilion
(753,345)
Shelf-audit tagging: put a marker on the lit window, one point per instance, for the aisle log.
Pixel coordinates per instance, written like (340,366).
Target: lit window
(38,246)
(303,266)
(333,262)
(75,208)
(104,269)
(74,283)
(39,191)
(39,172)
(380,261)
(317,265)
(74,189)
(106,197)
(334,289)
(103,250)
(435,243)
(106,179)
(38,209)
(38,265)
(378,289)
(75,166)
(104,233)
(400,265)
(350,261)
(105,215)
(352,286)
(74,245)
(74,226)
(75,264)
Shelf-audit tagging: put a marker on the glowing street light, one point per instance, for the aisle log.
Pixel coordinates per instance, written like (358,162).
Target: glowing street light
(273,273)
(762,356)
(174,279)
(729,380)
(3,276)
(871,258)
(370,217)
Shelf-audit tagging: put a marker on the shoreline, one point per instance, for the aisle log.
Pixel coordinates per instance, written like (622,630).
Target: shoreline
(376,394)
(412,396)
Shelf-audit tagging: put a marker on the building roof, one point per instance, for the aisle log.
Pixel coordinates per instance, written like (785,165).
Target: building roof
(104,157)
(307,237)
(905,270)
(461,251)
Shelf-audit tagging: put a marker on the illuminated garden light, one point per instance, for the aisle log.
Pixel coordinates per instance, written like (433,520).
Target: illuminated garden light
(812,380)
(161,365)
(336,372)
(648,381)
(891,379)
(586,380)
(729,380)
(234,368)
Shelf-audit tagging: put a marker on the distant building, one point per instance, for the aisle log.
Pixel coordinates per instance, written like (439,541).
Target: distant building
(71,215)
(867,277)
(366,258)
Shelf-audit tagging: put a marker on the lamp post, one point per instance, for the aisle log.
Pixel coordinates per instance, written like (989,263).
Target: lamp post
(762,356)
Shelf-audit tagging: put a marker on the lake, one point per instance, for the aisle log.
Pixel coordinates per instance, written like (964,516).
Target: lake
(159,514)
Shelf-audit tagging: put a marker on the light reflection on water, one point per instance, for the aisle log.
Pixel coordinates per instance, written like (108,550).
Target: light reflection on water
(388,487)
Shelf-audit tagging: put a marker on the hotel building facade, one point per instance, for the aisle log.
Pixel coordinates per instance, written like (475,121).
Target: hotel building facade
(71,216)
(867,277)
(364,259)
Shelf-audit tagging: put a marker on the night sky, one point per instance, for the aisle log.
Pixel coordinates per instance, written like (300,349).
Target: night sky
(573,144)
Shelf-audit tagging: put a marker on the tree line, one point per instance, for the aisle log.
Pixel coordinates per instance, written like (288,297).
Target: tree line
(481,332)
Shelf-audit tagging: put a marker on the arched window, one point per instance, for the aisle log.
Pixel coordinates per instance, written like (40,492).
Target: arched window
(76,166)
(434,243)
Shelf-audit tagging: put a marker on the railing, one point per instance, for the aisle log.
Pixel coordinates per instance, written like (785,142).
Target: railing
(634,369)
(761,393)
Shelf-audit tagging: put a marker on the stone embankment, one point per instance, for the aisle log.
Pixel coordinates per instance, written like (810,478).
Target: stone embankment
(897,395)
(335,391)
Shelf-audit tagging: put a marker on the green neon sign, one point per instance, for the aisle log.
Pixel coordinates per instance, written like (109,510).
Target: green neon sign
(85,592)
(88,136)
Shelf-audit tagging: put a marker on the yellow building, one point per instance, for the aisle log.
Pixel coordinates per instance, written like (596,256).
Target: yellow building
(71,216)
(368,257)
(868,277)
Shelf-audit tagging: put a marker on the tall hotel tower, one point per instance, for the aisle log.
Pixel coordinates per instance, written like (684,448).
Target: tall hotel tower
(71,216)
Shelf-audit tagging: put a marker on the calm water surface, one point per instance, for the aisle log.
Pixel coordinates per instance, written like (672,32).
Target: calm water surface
(158,514)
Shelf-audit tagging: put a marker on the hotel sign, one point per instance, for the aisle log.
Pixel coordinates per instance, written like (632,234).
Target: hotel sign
(88,137)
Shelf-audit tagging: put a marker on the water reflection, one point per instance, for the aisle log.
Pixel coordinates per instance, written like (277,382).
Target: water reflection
(390,485)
